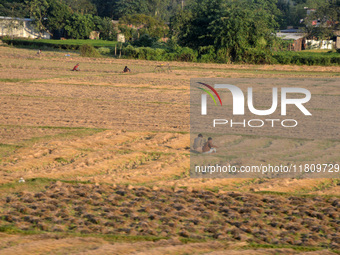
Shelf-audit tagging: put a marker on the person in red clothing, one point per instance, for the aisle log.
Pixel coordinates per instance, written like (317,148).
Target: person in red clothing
(76,67)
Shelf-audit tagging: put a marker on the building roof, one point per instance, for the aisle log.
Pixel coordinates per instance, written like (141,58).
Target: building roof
(13,18)
(290,36)
(291,30)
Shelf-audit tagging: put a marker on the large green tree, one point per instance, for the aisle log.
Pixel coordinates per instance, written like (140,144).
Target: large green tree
(57,15)
(38,10)
(106,8)
(48,15)
(191,25)
(79,26)
(145,24)
(105,27)
(13,8)
(116,9)
(128,7)
(241,29)
(81,6)
(231,26)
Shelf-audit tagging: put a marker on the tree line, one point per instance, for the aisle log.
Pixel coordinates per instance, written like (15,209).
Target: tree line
(232,28)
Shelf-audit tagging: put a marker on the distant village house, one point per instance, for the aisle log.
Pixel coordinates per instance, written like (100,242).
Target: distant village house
(20,27)
(294,35)
(300,42)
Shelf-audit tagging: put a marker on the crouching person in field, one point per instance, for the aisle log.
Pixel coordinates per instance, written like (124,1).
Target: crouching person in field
(198,143)
(76,67)
(209,147)
(126,70)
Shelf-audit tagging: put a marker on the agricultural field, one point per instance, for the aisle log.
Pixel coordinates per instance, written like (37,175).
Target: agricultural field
(105,157)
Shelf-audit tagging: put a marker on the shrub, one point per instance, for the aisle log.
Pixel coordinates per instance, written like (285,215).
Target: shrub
(307,58)
(255,56)
(104,50)
(222,56)
(144,52)
(186,54)
(144,41)
(336,60)
(130,52)
(207,54)
(147,53)
(283,59)
(151,54)
(88,51)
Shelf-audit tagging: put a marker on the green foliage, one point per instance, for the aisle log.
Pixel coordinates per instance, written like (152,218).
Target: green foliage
(257,56)
(58,44)
(130,52)
(292,12)
(222,56)
(191,26)
(104,50)
(128,7)
(79,26)
(207,54)
(105,27)
(143,25)
(251,55)
(145,41)
(307,58)
(81,6)
(172,44)
(54,15)
(87,50)
(38,12)
(14,8)
(58,14)
(162,9)
(181,54)
(233,28)
(186,54)
(328,15)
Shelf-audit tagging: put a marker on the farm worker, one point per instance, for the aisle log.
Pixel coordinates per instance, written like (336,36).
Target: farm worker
(198,143)
(208,147)
(126,70)
(76,67)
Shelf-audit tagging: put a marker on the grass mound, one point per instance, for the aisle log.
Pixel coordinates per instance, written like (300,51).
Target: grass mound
(87,50)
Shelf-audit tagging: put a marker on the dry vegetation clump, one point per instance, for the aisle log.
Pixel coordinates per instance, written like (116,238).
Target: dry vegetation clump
(198,214)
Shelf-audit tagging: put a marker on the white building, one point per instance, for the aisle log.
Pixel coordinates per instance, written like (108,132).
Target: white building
(20,27)
(321,44)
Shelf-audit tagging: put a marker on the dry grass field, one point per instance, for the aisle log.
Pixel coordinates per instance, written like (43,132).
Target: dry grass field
(106,157)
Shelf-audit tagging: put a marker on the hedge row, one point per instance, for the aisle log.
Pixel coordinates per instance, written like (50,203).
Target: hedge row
(181,54)
(306,58)
(204,54)
(57,44)
(250,56)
